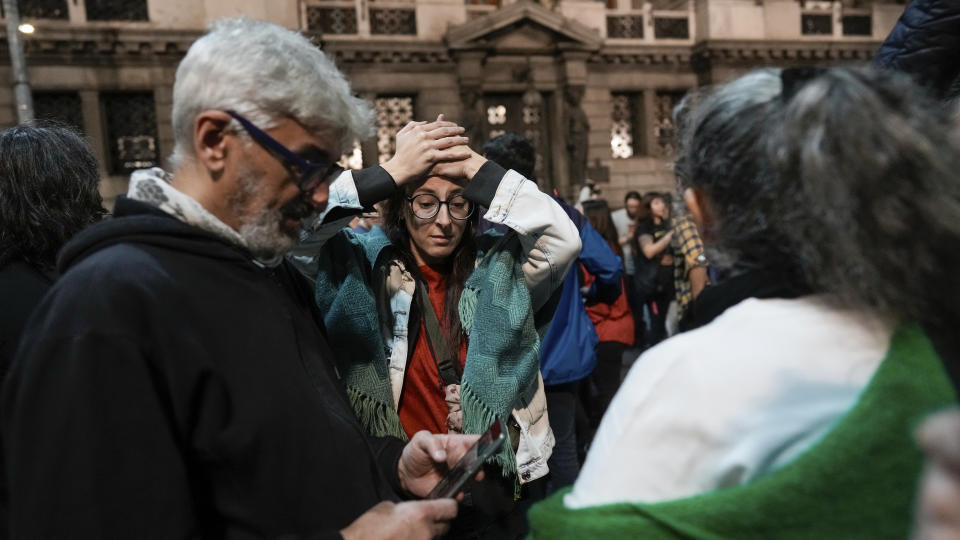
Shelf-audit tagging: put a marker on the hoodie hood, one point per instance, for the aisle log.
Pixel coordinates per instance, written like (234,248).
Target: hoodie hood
(141,223)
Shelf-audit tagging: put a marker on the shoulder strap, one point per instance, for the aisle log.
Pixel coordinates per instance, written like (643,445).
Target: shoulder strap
(447,365)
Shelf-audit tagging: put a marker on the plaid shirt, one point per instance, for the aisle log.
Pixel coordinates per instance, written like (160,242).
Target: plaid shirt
(688,254)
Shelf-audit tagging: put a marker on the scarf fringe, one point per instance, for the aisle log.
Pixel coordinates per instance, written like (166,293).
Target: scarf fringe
(477,417)
(375,417)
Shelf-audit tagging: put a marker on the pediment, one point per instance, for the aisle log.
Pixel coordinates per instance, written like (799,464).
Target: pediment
(523,26)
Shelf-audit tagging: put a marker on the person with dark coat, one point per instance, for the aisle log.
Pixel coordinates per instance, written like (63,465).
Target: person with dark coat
(924,44)
(48,193)
(176,380)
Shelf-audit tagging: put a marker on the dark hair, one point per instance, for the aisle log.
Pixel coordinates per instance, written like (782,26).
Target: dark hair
(632,195)
(645,214)
(512,151)
(597,211)
(48,191)
(462,261)
(869,163)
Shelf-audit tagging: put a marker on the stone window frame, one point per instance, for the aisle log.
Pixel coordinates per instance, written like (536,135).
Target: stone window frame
(45,103)
(375,19)
(113,162)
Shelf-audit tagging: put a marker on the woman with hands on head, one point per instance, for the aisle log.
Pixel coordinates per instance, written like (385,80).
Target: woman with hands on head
(439,326)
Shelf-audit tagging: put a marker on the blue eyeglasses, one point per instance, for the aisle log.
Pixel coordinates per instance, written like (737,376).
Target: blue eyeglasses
(310,174)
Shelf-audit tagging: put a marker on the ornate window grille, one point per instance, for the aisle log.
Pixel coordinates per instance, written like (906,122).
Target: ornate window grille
(664,132)
(354,158)
(41,9)
(497,119)
(816,24)
(62,107)
(625,26)
(621,131)
(332,20)
(131,121)
(117,10)
(857,25)
(393,112)
(393,21)
(671,28)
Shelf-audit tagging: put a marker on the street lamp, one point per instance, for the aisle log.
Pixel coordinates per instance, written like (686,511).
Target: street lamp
(18,61)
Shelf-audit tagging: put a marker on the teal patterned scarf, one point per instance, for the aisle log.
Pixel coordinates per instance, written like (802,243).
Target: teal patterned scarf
(503,353)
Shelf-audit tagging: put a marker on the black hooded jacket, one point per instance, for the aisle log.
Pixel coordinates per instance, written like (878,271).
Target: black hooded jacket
(924,43)
(169,387)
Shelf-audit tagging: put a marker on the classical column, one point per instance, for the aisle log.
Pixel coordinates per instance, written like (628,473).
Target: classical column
(576,127)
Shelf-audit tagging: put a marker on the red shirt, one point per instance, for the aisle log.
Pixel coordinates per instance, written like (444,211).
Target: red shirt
(613,322)
(422,404)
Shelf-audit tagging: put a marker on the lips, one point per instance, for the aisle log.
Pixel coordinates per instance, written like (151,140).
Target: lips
(441,240)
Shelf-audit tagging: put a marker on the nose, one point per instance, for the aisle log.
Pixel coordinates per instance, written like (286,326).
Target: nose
(443,216)
(319,196)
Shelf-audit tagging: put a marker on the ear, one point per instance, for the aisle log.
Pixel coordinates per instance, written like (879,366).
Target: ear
(700,209)
(209,140)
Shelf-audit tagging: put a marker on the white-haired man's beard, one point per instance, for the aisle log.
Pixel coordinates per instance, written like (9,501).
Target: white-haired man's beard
(263,230)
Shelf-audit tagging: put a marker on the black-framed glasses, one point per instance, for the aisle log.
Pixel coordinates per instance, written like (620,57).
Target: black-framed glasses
(427,206)
(310,174)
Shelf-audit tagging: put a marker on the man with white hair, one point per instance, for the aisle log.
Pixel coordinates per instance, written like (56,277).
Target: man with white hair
(176,381)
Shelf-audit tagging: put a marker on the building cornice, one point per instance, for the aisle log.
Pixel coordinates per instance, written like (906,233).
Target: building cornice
(362,51)
(742,51)
(94,45)
(643,55)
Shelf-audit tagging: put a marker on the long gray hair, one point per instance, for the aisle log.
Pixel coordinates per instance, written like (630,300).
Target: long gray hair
(847,184)
(870,167)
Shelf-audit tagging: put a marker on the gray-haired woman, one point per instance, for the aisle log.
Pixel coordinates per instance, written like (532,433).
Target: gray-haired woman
(832,199)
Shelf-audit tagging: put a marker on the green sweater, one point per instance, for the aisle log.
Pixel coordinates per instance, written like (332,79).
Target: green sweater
(857,482)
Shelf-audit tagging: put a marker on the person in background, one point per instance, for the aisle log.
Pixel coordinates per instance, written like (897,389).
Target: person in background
(567,353)
(652,246)
(48,193)
(839,182)
(613,322)
(624,220)
(690,267)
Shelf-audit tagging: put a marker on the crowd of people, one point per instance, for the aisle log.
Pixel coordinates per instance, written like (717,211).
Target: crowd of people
(259,343)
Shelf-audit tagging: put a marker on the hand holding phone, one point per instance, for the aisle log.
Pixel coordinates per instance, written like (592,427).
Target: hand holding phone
(487,445)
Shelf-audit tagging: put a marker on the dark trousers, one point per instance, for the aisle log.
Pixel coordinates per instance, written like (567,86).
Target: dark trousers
(660,305)
(561,408)
(605,378)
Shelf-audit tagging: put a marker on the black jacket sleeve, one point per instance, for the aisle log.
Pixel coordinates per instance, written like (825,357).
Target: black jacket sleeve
(387,451)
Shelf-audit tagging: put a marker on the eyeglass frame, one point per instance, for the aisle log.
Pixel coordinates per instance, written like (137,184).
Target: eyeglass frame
(311,174)
(440,204)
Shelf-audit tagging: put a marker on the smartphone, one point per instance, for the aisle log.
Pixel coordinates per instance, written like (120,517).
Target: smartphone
(487,445)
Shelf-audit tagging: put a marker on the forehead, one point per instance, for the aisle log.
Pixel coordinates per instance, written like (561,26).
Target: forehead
(440,185)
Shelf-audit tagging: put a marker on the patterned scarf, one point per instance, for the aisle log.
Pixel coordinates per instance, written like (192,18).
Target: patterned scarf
(154,187)
(495,310)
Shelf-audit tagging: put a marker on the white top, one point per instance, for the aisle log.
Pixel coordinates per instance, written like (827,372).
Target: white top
(621,221)
(721,405)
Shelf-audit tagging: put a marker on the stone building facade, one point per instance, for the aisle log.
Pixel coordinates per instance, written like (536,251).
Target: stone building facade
(593,83)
